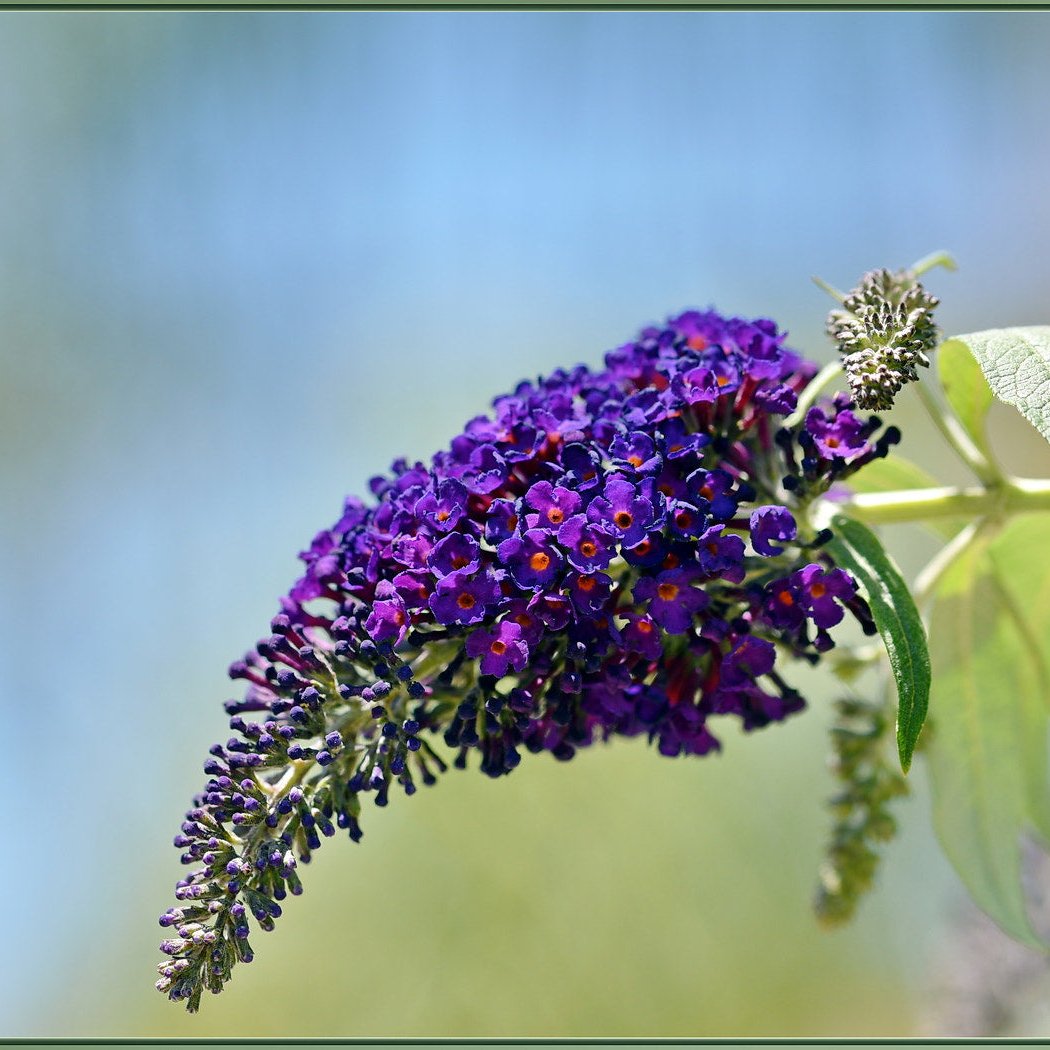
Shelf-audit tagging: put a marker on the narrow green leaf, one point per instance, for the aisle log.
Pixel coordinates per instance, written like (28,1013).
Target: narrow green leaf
(966,389)
(856,548)
(895,473)
(987,755)
(1016,363)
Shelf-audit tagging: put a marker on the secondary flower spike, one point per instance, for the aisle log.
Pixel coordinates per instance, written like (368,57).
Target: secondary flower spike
(619,552)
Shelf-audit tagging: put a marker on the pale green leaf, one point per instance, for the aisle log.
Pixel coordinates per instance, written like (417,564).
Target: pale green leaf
(987,752)
(856,548)
(1025,574)
(966,389)
(1016,363)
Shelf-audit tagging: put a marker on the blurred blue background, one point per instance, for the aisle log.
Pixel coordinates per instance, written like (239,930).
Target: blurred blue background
(248,259)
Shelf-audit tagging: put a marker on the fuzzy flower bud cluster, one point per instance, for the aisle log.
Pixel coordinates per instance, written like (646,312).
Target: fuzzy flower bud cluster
(885,331)
(620,552)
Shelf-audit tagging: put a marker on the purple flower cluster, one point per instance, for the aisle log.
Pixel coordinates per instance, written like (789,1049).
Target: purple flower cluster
(617,552)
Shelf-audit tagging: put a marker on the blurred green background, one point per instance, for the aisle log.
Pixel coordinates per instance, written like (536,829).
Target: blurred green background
(248,259)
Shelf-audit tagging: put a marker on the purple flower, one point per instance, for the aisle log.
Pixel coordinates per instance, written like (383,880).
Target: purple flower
(653,550)
(843,436)
(589,592)
(624,511)
(500,648)
(636,452)
(779,401)
(819,592)
(685,731)
(713,491)
(532,560)
(685,520)
(552,610)
(553,506)
(642,636)
(487,470)
(672,599)
(702,384)
(388,618)
(413,587)
(768,524)
(443,507)
(587,548)
(677,442)
(501,521)
(463,599)
(531,625)
(721,554)
(455,553)
(749,659)
(582,466)
(781,606)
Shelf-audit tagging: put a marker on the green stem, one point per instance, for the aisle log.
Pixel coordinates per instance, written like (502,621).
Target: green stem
(927,580)
(1006,497)
(957,437)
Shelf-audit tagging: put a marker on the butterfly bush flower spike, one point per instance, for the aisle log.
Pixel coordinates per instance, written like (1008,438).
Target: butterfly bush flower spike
(617,552)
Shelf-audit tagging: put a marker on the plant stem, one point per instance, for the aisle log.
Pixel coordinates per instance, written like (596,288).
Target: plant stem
(957,437)
(1006,497)
(927,580)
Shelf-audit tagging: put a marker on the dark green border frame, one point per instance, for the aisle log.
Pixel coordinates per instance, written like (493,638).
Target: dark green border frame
(554,6)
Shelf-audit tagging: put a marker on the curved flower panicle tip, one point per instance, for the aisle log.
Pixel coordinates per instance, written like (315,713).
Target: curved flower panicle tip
(618,552)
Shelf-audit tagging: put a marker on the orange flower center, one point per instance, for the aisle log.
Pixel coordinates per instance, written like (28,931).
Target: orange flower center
(667,592)
(645,626)
(466,601)
(539,561)
(443,515)
(635,461)
(818,590)
(683,519)
(588,549)
(623,519)
(498,647)
(784,597)
(556,515)
(586,583)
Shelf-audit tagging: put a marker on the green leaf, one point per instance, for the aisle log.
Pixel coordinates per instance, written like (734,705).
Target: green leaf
(895,473)
(1016,363)
(856,548)
(1025,576)
(966,389)
(988,752)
